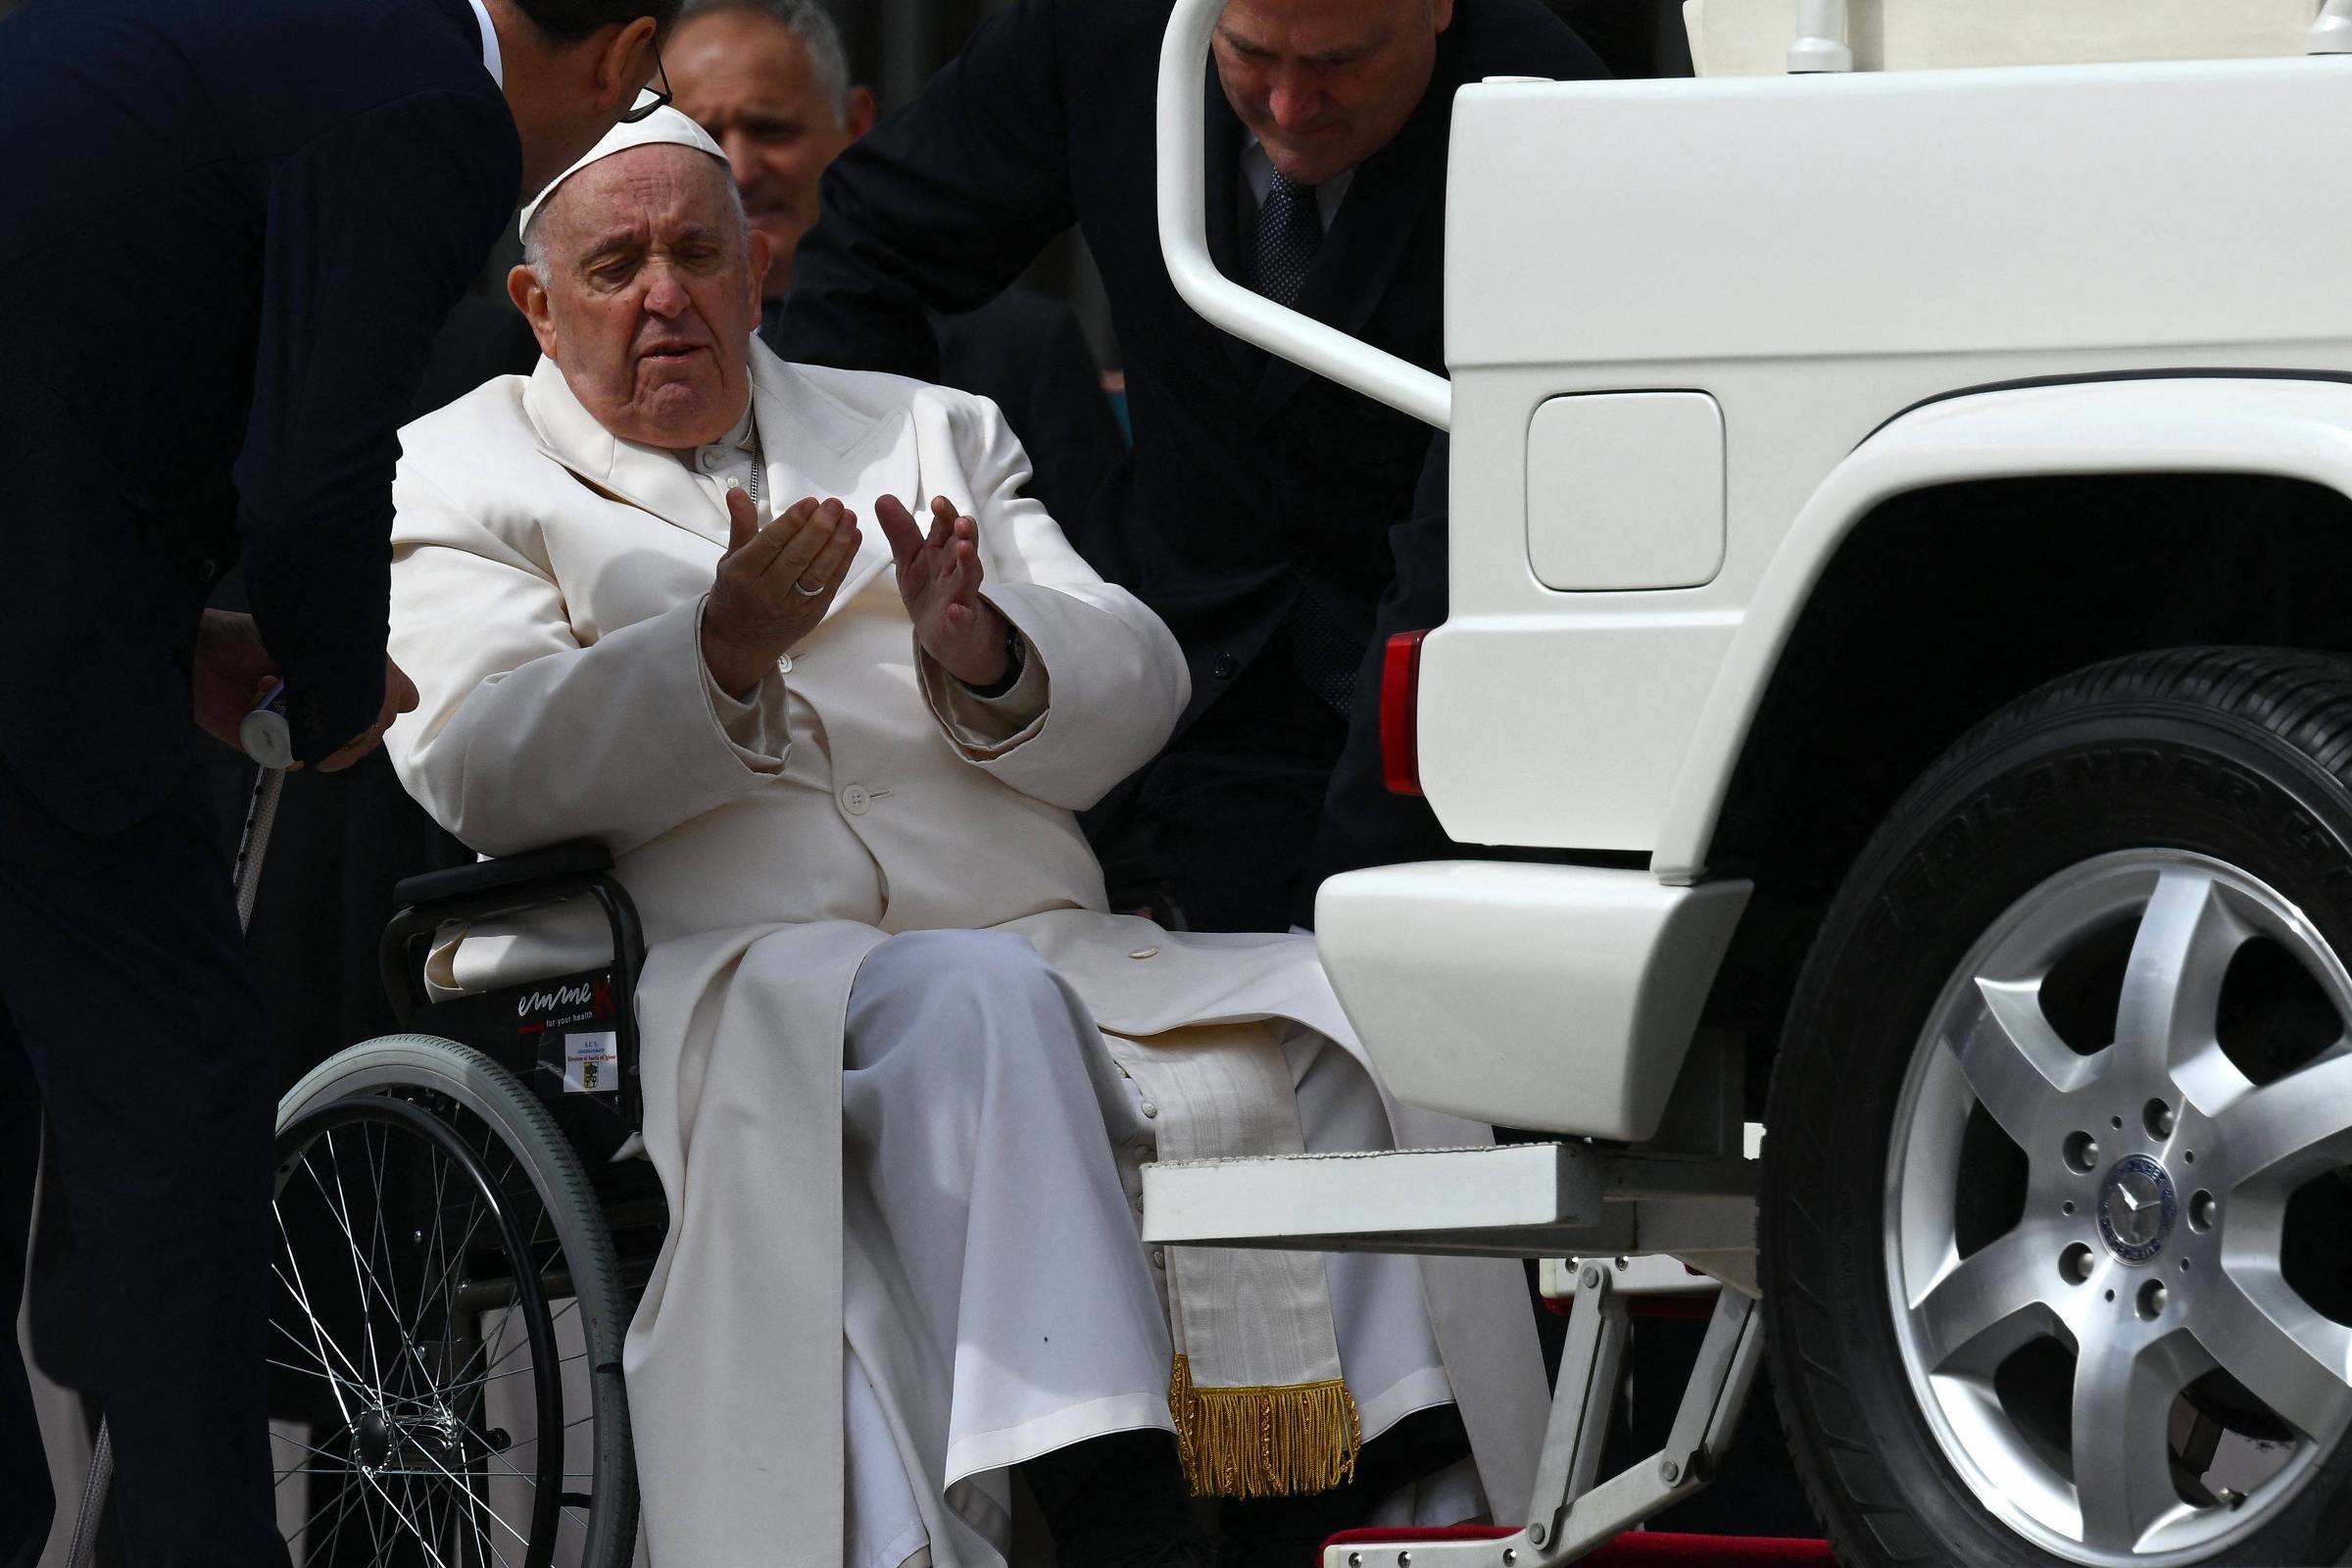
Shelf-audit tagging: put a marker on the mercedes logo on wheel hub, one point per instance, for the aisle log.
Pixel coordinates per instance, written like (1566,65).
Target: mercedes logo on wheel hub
(2136,1208)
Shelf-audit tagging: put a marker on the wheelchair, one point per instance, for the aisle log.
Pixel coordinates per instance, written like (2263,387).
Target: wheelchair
(461,1242)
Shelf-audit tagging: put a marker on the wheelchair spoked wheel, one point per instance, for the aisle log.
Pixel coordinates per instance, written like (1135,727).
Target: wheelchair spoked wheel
(446,1328)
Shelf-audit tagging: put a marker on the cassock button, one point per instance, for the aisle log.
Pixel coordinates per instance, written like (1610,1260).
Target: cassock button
(855,798)
(785,663)
(1224,667)
(712,459)
(1159,1260)
(1149,1110)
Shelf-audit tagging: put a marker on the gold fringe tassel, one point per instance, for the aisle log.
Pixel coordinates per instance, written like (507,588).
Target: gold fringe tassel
(1272,1442)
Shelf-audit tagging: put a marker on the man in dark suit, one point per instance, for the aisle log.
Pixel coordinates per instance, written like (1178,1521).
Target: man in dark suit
(315,181)
(343,840)
(1255,510)
(770,81)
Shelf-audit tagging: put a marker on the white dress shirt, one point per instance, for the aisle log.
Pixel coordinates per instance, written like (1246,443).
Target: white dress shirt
(492,60)
(728,464)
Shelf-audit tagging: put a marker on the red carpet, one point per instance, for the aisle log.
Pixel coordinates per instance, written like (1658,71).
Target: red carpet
(1645,1548)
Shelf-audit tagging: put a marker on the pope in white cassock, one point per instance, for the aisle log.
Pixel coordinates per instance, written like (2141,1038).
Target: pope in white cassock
(901,1065)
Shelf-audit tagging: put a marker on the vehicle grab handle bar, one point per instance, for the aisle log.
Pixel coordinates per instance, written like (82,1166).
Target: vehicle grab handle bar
(1226,304)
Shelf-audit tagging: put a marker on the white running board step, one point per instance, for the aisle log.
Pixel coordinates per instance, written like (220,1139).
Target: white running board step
(1496,1201)
(1496,1197)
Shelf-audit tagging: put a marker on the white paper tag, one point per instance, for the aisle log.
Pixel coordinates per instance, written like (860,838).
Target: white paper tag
(591,1062)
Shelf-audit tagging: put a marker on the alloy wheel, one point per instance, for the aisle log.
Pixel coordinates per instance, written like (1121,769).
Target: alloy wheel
(2119,1187)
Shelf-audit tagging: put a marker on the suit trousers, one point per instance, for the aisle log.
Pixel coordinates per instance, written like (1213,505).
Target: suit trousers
(129,1012)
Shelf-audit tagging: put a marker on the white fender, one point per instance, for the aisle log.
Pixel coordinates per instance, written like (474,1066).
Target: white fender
(2288,428)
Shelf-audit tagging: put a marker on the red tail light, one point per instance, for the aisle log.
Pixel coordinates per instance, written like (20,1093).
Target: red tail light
(1399,725)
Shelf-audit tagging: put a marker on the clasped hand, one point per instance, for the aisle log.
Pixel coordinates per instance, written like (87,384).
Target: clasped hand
(233,671)
(775,583)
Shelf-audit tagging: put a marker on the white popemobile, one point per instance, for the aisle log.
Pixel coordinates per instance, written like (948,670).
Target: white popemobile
(1901,566)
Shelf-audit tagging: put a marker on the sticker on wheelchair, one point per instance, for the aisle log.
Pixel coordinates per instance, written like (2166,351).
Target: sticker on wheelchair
(591,1062)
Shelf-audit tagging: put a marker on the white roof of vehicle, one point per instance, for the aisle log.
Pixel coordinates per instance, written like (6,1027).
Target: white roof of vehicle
(1751,37)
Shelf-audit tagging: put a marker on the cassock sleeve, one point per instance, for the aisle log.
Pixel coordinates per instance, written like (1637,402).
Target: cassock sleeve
(1115,680)
(375,228)
(525,737)
(942,206)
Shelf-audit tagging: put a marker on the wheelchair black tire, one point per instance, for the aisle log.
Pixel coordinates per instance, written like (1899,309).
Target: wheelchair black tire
(399,1066)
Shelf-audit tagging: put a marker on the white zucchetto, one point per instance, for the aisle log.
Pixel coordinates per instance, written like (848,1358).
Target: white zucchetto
(664,125)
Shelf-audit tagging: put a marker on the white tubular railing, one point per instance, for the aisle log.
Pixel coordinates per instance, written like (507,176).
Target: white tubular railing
(2332,35)
(1223,303)
(1821,38)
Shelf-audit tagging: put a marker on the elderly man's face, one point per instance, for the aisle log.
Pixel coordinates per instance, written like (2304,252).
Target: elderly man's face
(750,82)
(1327,83)
(650,295)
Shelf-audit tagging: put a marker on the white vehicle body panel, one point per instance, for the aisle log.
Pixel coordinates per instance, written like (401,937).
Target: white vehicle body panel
(2299,429)
(1560,997)
(1817,254)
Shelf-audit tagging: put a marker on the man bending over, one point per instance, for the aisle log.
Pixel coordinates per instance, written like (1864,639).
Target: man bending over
(900,1065)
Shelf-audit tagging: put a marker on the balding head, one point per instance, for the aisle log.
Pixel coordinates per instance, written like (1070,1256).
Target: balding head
(767,78)
(642,284)
(1327,83)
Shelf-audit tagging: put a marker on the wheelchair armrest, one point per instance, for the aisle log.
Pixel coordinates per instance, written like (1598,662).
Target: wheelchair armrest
(495,889)
(558,862)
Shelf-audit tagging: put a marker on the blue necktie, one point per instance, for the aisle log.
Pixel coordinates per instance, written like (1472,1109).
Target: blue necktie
(1289,230)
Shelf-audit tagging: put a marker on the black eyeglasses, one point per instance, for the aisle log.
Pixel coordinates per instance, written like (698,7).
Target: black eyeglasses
(652,98)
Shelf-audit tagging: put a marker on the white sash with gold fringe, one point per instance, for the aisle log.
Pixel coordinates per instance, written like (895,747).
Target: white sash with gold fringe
(1262,1407)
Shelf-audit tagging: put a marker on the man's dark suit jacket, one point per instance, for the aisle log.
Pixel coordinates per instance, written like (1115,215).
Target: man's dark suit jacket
(1250,481)
(343,839)
(1028,354)
(233,232)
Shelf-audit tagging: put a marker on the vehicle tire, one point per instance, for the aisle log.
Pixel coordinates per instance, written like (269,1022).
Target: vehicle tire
(467,1406)
(2058,1179)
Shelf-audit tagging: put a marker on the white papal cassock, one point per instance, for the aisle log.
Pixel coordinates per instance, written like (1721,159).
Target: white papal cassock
(876,1087)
